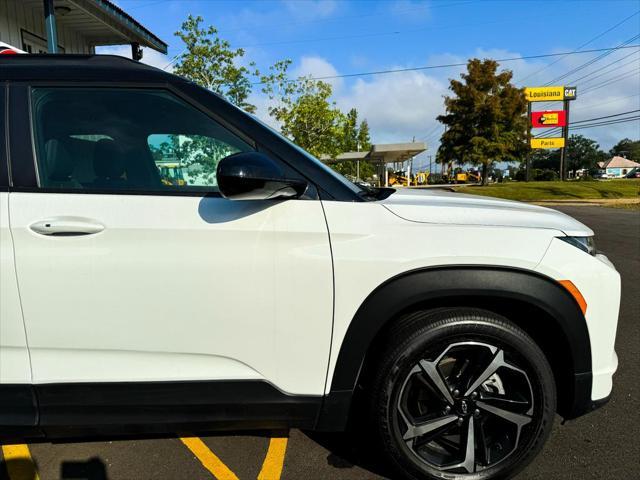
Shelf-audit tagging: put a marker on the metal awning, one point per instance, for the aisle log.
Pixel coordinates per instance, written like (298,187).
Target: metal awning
(381,153)
(396,152)
(100,22)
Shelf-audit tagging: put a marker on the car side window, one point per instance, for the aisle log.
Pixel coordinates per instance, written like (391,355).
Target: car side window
(4,170)
(139,140)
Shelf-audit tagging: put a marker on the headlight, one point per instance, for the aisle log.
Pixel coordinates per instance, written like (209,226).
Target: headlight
(586,244)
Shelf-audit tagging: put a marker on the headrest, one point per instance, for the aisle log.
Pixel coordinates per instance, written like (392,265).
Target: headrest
(60,165)
(108,160)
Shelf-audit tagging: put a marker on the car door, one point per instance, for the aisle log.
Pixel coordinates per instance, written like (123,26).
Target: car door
(17,402)
(133,268)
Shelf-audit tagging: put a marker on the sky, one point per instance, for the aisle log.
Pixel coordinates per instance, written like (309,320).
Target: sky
(336,37)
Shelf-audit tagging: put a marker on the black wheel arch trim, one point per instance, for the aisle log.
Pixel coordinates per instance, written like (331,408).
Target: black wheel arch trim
(420,286)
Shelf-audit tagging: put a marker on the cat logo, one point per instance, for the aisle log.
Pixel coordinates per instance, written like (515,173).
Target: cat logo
(570,93)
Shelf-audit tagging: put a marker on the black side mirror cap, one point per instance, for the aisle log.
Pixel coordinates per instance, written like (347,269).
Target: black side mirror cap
(255,176)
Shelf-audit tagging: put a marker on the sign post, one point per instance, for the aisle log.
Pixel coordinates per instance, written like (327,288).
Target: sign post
(552,118)
(563,152)
(527,170)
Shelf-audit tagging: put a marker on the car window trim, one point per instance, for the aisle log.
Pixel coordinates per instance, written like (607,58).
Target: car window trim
(5,177)
(33,187)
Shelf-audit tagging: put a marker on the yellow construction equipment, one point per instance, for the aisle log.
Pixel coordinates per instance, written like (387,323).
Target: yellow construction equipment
(171,173)
(397,178)
(421,178)
(464,177)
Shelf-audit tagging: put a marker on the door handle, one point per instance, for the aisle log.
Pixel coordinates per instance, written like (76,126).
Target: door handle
(67,226)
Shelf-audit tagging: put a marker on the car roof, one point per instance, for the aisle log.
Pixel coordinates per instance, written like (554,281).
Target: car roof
(70,67)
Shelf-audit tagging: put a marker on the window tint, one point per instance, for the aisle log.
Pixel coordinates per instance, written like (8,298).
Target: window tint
(126,139)
(4,177)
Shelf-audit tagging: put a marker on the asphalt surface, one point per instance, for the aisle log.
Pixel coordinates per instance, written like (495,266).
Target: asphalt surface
(601,445)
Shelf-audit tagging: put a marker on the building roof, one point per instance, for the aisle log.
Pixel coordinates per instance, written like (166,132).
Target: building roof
(101,22)
(619,162)
(382,153)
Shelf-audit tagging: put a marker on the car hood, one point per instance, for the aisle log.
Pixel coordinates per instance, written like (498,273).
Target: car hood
(445,207)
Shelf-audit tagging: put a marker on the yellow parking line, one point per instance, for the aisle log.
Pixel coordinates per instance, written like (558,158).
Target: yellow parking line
(274,461)
(19,464)
(208,459)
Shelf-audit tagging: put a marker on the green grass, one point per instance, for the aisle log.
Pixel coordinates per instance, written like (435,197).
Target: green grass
(572,190)
(625,206)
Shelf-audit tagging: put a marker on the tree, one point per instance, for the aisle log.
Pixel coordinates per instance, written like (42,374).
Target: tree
(350,132)
(545,159)
(627,148)
(355,138)
(197,156)
(582,152)
(364,140)
(210,62)
(485,119)
(304,110)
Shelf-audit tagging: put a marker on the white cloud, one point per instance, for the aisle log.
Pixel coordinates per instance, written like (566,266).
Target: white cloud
(150,56)
(318,67)
(397,105)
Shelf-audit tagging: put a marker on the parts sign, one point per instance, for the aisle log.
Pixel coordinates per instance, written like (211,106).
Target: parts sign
(547,142)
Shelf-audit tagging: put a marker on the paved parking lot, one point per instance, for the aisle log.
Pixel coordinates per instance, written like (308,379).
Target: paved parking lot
(601,445)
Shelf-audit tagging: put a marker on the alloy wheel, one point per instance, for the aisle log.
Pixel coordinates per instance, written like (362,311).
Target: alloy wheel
(465,408)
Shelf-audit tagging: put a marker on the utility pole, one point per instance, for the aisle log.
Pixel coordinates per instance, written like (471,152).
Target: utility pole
(563,150)
(50,26)
(358,163)
(527,164)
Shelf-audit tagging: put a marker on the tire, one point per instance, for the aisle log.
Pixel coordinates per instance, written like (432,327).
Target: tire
(461,393)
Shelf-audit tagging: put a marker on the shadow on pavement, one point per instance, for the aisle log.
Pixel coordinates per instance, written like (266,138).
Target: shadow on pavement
(347,450)
(21,468)
(92,469)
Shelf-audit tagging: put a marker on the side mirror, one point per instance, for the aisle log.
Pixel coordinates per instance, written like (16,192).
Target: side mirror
(255,176)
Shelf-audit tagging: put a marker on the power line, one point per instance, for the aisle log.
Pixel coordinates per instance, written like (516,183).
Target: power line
(579,123)
(596,125)
(572,82)
(582,107)
(615,72)
(611,81)
(593,60)
(456,26)
(604,124)
(616,76)
(432,131)
(583,45)
(545,105)
(460,64)
(332,19)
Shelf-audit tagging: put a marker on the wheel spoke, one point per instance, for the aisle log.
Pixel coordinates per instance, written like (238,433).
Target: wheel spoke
(517,418)
(496,363)
(429,426)
(483,447)
(503,400)
(469,463)
(431,371)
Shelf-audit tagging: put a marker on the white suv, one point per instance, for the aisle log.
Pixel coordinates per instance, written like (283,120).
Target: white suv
(170,263)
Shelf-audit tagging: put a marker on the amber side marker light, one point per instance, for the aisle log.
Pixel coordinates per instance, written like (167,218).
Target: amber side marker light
(575,293)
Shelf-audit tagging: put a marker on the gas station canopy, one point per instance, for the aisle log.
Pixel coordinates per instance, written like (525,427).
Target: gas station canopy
(382,153)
